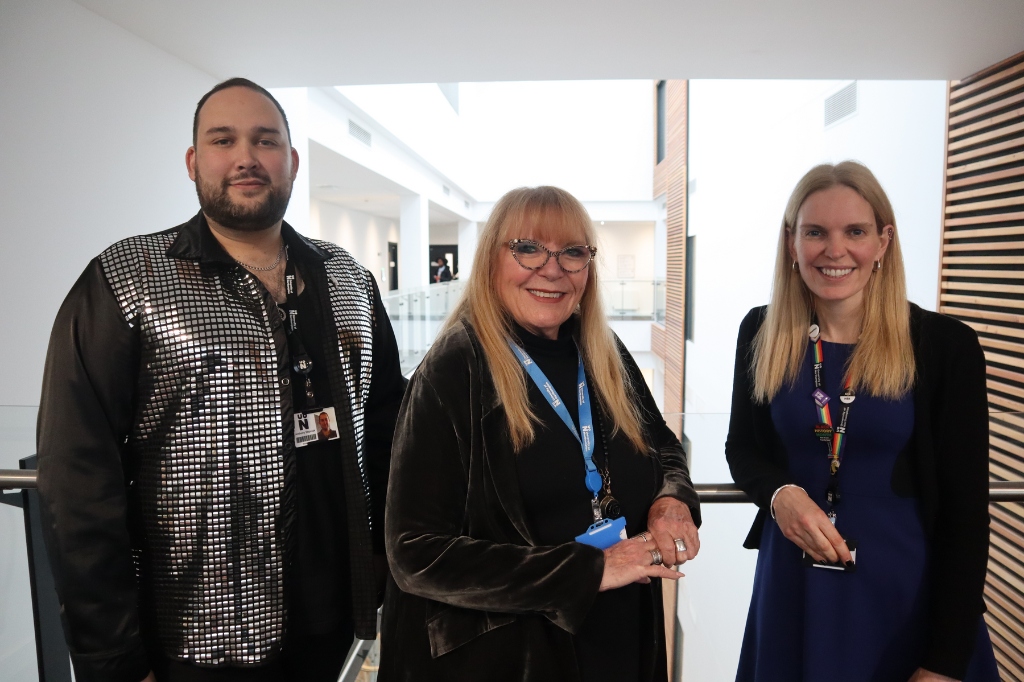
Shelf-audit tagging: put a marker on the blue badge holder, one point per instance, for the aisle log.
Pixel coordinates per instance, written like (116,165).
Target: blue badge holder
(604,533)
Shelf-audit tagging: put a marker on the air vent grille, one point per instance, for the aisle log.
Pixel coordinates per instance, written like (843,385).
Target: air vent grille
(841,104)
(358,132)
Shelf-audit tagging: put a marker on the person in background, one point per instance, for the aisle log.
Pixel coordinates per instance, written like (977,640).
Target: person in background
(444,273)
(859,427)
(193,535)
(528,448)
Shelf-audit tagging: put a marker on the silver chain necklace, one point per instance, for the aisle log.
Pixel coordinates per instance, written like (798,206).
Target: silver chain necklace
(267,268)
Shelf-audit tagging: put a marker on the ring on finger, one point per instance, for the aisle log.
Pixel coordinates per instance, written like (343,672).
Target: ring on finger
(680,545)
(642,536)
(655,557)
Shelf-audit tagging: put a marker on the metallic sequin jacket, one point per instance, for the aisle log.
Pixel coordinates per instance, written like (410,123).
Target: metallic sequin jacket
(208,502)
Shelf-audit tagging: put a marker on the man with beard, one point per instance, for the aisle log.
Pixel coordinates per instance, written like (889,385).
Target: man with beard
(197,527)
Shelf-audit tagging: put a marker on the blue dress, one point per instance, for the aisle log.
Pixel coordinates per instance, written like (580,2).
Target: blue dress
(816,624)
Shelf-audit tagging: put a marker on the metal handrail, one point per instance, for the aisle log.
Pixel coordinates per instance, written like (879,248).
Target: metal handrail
(17,479)
(998,491)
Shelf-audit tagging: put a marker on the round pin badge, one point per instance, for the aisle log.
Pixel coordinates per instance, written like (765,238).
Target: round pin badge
(846,399)
(814,332)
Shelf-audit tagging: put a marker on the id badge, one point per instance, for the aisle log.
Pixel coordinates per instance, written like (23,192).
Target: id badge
(604,533)
(315,425)
(836,566)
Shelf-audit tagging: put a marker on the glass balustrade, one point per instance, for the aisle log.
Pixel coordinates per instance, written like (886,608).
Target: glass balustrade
(634,299)
(417,315)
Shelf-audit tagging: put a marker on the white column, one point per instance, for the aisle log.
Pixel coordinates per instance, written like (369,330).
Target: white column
(295,102)
(414,242)
(469,233)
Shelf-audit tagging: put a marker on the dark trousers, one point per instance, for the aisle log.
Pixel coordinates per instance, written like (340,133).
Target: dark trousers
(304,658)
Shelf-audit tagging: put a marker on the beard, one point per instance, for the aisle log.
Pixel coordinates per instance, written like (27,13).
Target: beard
(218,206)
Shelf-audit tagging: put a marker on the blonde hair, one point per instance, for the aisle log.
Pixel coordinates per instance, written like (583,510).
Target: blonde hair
(560,217)
(883,361)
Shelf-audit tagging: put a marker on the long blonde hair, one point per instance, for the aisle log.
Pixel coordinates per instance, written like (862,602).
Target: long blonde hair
(883,361)
(560,217)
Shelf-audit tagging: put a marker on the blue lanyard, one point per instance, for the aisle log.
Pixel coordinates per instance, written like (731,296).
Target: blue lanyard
(593,478)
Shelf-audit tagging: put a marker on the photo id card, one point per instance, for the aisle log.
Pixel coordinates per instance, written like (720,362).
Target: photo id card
(315,425)
(604,533)
(850,544)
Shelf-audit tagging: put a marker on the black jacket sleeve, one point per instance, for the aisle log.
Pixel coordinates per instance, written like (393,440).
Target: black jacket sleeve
(387,386)
(960,534)
(85,413)
(750,459)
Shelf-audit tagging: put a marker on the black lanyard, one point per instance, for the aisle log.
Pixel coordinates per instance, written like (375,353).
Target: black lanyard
(301,362)
(834,436)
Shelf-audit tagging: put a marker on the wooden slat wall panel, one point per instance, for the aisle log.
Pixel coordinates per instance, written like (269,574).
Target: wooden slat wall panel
(670,179)
(982,283)
(668,340)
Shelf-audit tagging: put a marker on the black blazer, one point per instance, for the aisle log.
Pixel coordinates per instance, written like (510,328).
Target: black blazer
(945,466)
(477,599)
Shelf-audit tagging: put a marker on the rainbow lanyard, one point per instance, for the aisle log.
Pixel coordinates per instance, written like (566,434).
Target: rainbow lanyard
(833,435)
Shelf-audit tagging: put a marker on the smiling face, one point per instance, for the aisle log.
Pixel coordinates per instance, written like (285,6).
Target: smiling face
(540,300)
(836,242)
(242,163)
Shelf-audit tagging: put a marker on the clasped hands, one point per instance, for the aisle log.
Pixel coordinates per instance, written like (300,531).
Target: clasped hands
(629,561)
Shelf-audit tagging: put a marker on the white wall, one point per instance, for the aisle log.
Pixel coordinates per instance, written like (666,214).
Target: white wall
(626,239)
(96,126)
(363,235)
(444,233)
(750,141)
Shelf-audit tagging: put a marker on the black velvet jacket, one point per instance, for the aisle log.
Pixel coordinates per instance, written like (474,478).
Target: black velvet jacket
(476,599)
(945,466)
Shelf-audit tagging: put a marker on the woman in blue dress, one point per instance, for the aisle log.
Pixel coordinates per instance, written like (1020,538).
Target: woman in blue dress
(859,427)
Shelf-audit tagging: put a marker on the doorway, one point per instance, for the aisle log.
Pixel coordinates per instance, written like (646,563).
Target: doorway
(392,266)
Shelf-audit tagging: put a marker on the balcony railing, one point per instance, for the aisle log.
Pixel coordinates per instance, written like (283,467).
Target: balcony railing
(417,315)
(634,299)
(703,432)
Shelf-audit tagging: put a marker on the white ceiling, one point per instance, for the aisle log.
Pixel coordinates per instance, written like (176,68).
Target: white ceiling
(321,42)
(340,180)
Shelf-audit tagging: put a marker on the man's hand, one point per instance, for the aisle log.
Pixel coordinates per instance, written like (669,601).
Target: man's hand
(807,526)
(668,520)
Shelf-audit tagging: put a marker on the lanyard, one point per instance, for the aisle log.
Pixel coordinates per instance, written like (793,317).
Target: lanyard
(833,435)
(301,362)
(593,476)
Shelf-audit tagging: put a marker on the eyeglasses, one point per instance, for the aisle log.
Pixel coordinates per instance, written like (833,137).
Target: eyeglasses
(533,256)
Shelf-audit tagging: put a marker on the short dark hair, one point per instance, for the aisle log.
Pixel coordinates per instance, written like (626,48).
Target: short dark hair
(237,83)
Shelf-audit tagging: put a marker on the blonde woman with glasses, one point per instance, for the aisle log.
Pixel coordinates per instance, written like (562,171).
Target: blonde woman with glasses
(859,427)
(528,449)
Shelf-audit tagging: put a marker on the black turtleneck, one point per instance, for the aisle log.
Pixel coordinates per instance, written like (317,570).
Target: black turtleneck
(557,503)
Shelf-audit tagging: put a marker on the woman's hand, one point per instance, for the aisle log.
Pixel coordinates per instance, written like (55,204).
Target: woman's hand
(807,526)
(629,561)
(922,675)
(668,520)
